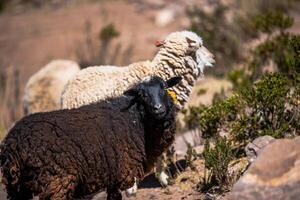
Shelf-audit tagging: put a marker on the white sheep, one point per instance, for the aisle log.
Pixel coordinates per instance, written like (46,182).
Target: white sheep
(180,54)
(43,89)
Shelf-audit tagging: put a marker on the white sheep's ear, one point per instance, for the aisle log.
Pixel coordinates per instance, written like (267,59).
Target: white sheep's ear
(173,81)
(192,43)
(159,43)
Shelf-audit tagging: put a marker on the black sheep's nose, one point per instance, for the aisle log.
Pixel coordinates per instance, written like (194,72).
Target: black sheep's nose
(157,107)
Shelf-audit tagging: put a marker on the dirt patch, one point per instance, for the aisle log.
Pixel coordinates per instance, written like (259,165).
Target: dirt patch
(182,189)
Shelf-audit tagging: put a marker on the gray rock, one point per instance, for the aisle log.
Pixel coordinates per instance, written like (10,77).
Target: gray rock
(274,175)
(164,17)
(192,137)
(254,148)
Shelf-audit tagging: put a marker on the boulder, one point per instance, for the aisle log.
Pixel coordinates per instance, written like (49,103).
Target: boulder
(254,148)
(275,174)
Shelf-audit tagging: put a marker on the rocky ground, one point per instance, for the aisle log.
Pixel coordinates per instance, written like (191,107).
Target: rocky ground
(275,174)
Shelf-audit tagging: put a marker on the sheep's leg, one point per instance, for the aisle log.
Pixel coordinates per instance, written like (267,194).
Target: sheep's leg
(113,193)
(59,188)
(160,169)
(133,190)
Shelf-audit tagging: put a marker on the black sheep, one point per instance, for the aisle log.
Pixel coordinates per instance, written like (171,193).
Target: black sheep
(69,154)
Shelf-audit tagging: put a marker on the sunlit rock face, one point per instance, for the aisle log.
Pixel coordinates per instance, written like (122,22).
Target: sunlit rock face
(274,175)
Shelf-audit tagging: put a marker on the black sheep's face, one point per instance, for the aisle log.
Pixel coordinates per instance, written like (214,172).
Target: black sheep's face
(151,93)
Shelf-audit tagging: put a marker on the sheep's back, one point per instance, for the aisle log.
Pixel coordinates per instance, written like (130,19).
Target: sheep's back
(96,143)
(43,89)
(93,84)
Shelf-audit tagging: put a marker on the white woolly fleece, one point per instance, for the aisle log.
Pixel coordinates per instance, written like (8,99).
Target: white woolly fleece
(203,57)
(182,54)
(43,89)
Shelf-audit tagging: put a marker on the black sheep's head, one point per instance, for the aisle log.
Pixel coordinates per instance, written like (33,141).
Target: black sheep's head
(152,94)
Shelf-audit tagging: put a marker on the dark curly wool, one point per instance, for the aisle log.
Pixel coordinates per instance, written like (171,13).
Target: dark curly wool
(69,154)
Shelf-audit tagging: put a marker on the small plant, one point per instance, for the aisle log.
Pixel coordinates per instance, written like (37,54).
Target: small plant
(108,32)
(90,54)
(190,157)
(2,130)
(2,5)
(2,80)
(100,51)
(10,104)
(106,35)
(217,161)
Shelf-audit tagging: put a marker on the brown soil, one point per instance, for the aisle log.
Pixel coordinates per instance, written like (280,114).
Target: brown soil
(183,187)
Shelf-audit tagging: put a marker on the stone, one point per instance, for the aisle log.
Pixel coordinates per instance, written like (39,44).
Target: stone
(164,17)
(254,148)
(275,174)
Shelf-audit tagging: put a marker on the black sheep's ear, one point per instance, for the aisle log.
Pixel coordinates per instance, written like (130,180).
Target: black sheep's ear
(131,92)
(173,81)
(131,103)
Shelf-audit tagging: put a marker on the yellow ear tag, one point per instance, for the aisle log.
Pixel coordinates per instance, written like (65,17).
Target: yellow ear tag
(172,95)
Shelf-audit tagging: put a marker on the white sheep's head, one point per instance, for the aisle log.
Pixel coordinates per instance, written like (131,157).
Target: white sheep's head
(187,43)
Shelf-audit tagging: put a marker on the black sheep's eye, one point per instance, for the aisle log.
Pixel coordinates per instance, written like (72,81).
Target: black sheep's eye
(143,94)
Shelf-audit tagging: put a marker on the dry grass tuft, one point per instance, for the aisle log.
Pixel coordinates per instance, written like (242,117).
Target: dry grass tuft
(10,104)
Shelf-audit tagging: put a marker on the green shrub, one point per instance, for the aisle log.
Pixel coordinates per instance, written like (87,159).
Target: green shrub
(263,103)
(239,78)
(209,119)
(217,161)
(271,21)
(282,50)
(280,47)
(267,108)
(225,35)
